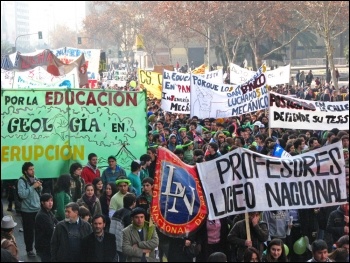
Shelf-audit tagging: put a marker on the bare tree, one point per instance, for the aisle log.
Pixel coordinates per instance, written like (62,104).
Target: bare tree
(329,19)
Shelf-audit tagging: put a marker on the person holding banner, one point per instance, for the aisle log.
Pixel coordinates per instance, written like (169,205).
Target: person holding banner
(238,236)
(278,223)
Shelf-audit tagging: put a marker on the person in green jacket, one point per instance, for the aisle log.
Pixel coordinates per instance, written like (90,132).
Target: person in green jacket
(188,152)
(62,195)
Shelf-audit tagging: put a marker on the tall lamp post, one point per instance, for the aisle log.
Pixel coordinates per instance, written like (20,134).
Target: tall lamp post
(40,36)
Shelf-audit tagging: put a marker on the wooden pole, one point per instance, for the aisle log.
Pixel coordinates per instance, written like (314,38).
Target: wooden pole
(247,226)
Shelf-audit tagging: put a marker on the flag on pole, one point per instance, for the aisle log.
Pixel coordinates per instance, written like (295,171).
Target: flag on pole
(279,152)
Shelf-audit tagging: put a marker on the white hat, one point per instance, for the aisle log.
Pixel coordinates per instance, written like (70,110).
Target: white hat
(262,126)
(257,123)
(7,222)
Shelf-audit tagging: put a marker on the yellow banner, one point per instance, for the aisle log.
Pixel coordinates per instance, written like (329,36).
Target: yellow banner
(199,70)
(152,82)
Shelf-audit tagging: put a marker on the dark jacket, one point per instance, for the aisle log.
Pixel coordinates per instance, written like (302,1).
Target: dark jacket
(59,241)
(120,220)
(238,236)
(202,237)
(89,253)
(45,223)
(336,223)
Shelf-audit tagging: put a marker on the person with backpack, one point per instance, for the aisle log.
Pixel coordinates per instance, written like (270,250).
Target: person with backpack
(121,219)
(29,190)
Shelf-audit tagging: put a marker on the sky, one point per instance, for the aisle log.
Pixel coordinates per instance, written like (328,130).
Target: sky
(45,15)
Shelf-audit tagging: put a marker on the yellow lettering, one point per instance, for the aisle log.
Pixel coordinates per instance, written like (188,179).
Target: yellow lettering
(37,152)
(4,153)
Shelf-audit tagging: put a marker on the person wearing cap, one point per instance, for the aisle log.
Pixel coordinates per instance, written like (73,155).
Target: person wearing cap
(188,152)
(45,223)
(181,135)
(262,129)
(172,142)
(256,126)
(140,239)
(8,240)
(67,236)
(116,203)
(112,172)
(99,246)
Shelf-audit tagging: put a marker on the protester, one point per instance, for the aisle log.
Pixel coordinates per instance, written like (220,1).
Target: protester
(90,171)
(62,195)
(117,200)
(99,246)
(77,184)
(275,252)
(139,238)
(29,189)
(8,240)
(112,172)
(90,201)
(217,257)
(98,187)
(121,219)
(319,251)
(67,238)
(105,200)
(238,235)
(45,223)
(251,254)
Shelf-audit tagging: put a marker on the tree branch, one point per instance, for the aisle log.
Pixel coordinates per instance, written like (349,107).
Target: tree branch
(285,44)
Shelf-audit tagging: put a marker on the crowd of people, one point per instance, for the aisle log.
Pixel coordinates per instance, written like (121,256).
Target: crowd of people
(104,216)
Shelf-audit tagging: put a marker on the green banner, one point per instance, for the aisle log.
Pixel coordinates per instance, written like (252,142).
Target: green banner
(54,128)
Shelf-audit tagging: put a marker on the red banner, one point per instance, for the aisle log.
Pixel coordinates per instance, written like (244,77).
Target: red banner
(178,203)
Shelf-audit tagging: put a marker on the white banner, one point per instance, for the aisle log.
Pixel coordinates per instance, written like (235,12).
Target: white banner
(211,100)
(92,58)
(176,89)
(274,77)
(245,181)
(38,78)
(288,112)
(175,92)
(120,77)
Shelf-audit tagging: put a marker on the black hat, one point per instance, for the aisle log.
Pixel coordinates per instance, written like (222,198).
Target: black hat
(138,210)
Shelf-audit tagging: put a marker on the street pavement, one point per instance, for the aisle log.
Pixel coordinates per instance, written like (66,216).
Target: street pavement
(18,234)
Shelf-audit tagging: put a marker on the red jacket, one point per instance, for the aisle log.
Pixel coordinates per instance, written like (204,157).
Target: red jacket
(88,174)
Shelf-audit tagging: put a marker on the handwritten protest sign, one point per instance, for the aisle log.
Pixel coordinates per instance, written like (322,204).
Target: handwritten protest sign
(212,100)
(288,112)
(53,128)
(152,82)
(240,75)
(245,181)
(38,78)
(176,92)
